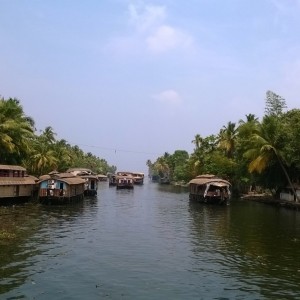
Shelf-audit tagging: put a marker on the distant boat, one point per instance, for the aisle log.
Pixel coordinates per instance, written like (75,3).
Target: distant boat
(91,180)
(155,178)
(138,178)
(164,180)
(112,179)
(124,180)
(210,189)
(102,177)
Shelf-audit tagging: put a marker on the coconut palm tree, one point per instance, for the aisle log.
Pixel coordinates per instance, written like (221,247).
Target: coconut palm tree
(16,131)
(43,158)
(49,135)
(227,138)
(266,148)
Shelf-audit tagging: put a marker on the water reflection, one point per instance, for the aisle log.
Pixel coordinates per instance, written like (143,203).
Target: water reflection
(249,242)
(168,188)
(149,243)
(17,224)
(27,232)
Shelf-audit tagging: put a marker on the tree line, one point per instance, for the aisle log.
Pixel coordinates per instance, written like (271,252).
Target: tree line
(250,153)
(40,153)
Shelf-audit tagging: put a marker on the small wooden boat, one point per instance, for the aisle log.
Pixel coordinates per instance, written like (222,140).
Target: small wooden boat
(210,189)
(124,180)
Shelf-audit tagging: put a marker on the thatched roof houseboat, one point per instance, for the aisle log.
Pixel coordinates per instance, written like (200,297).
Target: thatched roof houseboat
(124,180)
(60,188)
(15,184)
(91,180)
(210,189)
(138,177)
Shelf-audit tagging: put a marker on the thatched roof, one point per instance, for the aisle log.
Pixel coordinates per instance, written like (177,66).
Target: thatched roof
(209,178)
(120,173)
(76,171)
(138,174)
(12,167)
(102,176)
(27,180)
(65,177)
(73,180)
(90,176)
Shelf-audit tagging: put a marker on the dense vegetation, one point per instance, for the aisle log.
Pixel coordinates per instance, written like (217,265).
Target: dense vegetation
(39,153)
(249,153)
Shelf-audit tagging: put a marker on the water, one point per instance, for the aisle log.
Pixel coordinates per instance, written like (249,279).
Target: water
(149,243)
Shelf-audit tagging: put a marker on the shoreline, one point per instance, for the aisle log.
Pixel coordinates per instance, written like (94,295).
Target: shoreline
(270,200)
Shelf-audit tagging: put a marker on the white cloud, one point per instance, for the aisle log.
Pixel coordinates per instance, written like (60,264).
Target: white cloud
(151,31)
(146,17)
(166,38)
(170,97)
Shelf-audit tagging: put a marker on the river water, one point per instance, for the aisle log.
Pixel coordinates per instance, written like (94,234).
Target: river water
(149,243)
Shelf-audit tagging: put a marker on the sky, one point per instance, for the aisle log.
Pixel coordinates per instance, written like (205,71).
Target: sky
(131,80)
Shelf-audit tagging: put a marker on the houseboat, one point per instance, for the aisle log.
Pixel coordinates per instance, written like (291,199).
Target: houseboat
(16,185)
(124,180)
(60,188)
(102,177)
(91,180)
(164,180)
(210,189)
(112,179)
(138,178)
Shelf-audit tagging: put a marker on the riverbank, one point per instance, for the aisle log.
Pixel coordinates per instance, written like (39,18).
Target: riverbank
(270,200)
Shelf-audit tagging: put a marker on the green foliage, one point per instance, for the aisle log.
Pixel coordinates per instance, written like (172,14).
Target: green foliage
(275,104)
(16,132)
(254,153)
(40,154)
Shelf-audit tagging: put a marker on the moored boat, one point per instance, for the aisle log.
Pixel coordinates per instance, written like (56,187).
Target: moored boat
(91,180)
(60,188)
(102,177)
(16,185)
(112,179)
(210,189)
(138,178)
(124,180)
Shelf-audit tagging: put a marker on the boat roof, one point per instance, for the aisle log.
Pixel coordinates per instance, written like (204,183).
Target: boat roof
(124,173)
(27,180)
(138,173)
(65,177)
(209,178)
(12,167)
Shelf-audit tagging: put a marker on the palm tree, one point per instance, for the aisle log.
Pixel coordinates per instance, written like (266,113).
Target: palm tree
(249,119)
(197,141)
(266,149)
(16,131)
(43,158)
(49,135)
(227,138)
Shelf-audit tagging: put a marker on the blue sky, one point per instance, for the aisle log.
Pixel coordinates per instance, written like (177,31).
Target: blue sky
(130,80)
